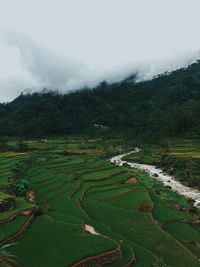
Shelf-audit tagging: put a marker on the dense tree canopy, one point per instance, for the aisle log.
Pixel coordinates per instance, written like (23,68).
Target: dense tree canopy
(168,105)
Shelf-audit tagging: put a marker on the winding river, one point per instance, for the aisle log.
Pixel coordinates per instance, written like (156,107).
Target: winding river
(161,176)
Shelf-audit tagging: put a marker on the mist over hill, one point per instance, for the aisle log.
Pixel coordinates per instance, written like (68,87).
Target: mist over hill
(168,105)
(27,63)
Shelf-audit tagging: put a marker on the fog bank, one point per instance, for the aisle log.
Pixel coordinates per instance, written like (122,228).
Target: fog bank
(28,64)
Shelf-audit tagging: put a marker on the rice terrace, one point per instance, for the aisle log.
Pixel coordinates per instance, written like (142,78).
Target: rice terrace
(82,210)
(99,133)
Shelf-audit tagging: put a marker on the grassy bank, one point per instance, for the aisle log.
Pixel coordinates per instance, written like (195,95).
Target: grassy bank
(178,157)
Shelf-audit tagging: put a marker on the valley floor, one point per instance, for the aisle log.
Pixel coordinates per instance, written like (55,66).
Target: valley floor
(86,211)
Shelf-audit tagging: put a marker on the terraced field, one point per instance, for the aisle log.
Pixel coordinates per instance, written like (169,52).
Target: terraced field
(178,157)
(89,213)
(184,148)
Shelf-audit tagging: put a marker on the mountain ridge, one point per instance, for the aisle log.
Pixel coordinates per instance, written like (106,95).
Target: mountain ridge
(167,105)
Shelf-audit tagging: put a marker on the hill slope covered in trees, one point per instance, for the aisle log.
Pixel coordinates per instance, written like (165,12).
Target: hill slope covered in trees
(166,106)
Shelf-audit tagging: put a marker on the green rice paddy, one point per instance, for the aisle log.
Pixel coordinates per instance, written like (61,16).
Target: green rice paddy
(75,185)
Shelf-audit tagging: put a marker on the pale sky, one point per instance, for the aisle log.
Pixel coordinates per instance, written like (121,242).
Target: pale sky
(68,44)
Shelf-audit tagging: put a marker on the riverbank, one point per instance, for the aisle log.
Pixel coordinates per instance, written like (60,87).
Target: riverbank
(161,176)
(177,157)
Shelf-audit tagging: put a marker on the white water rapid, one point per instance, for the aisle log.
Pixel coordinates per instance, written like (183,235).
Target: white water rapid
(161,176)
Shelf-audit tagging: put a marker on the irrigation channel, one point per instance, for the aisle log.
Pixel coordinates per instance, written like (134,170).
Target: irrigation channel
(161,176)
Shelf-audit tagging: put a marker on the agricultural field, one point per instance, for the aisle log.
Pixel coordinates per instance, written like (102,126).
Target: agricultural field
(185,148)
(82,210)
(178,157)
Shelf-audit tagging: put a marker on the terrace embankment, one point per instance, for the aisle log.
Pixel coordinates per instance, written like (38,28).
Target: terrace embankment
(21,231)
(161,176)
(101,259)
(7,262)
(95,213)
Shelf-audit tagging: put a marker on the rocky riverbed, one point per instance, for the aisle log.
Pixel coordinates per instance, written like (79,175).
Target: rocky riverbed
(161,176)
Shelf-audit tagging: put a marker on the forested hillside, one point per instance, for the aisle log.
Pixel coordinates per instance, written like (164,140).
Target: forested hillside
(166,106)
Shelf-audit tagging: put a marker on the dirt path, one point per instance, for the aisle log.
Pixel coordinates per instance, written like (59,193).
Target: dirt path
(161,176)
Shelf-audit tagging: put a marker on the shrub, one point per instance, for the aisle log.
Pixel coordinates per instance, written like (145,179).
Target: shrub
(161,263)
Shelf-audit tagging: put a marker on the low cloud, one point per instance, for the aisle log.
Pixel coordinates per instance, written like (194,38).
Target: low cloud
(27,64)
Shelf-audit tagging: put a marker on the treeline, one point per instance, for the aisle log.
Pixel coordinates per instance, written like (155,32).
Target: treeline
(166,106)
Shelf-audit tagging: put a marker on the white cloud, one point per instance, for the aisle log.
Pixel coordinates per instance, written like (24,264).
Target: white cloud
(68,44)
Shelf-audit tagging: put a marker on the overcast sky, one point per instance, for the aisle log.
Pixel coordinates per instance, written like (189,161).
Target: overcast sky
(73,43)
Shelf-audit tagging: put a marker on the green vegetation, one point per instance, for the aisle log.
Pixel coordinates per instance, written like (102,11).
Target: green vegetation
(4,251)
(56,243)
(3,197)
(81,188)
(183,160)
(84,206)
(9,229)
(186,235)
(166,106)
(178,157)
(20,205)
(149,154)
